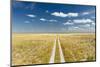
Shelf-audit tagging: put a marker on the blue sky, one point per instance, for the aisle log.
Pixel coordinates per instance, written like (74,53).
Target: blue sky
(52,18)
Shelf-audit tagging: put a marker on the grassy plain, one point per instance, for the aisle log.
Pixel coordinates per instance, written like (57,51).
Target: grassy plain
(78,47)
(37,48)
(31,48)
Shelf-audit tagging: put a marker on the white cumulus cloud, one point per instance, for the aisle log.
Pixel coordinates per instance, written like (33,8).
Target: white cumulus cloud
(61,14)
(83,21)
(72,14)
(31,15)
(42,19)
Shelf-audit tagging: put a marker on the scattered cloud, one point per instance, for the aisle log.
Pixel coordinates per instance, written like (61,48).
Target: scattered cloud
(93,23)
(85,13)
(27,22)
(76,27)
(61,14)
(87,25)
(53,20)
(83,21)
(68,23)
(42,19)
(69,20)
(72,14)
(88,12)
(31,15)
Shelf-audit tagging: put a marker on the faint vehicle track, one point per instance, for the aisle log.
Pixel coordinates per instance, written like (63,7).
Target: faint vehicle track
(53,53)
(61,52)
(52,58)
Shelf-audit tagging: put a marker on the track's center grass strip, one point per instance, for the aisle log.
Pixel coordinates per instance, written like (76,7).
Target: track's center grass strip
(57,54)
(61,52)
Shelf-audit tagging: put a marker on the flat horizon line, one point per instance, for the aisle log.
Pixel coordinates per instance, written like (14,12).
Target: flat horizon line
(51,33)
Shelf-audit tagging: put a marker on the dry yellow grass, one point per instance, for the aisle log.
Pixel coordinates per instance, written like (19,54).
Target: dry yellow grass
(31,48)
(79,47)
(37,48)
